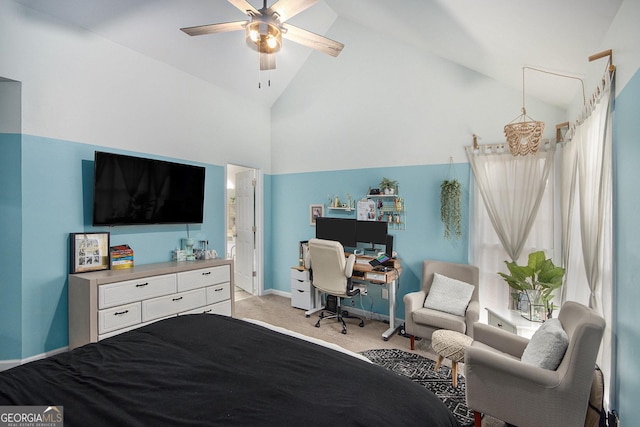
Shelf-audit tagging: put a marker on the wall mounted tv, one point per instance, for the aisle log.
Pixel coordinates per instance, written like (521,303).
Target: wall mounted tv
(131,190)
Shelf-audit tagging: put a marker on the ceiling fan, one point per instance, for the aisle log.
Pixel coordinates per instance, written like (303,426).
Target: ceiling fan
(266,28)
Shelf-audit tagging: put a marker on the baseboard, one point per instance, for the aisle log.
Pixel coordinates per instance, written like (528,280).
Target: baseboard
(277,292)
(12,363)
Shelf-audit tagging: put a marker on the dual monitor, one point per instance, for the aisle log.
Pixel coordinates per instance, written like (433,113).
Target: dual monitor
(350,232)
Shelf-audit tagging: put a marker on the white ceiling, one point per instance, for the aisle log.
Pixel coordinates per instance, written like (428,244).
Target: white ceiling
(494,37)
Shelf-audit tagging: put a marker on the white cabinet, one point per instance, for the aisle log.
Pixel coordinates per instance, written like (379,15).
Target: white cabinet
(301,289)
(512,321)
(106,303)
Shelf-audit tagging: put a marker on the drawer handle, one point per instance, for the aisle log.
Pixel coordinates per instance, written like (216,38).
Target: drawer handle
(120,313)
(218,289)
(300,280)
(177,299)
(499,325)
(142,285)
(206,273)
(207,311)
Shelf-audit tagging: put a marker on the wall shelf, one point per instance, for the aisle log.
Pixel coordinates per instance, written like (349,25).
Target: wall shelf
(390,208)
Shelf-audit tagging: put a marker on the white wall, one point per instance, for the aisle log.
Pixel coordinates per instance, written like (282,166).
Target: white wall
(77,86)
(10,121)
(381,103)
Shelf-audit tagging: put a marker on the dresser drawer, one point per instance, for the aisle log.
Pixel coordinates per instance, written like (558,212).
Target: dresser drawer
(200,278)
(118,317)
(302,275)
(218,293)
(223,308)
(129,328)
(135,290)
(172,304)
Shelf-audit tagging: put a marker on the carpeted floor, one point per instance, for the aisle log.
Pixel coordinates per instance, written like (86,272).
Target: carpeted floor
(277,310)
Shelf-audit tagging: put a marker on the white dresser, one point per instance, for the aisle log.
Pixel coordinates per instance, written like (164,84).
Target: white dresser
(301,289)
(109,302)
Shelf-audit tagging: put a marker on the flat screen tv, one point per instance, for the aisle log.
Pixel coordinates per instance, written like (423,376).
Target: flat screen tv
(131,190)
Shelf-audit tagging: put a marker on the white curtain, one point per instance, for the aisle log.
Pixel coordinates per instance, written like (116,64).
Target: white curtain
(587,217)
(512,214)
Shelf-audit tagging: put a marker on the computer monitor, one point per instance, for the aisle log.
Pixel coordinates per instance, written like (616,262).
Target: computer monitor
(341,230)
(373,232)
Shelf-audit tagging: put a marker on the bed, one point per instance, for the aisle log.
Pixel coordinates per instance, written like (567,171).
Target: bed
(202,370)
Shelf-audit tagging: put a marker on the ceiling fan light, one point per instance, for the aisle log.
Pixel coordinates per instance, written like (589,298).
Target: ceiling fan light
(263,37)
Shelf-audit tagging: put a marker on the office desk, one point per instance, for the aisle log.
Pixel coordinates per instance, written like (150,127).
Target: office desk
(389,278)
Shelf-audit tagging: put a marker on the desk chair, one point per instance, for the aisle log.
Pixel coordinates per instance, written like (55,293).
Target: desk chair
(331,273)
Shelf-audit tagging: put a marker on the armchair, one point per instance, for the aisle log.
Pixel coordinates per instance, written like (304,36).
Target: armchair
(331,273)
(421,321)
(501,385)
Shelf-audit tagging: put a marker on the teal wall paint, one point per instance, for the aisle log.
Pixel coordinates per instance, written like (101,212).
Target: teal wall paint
(11,248)
(422,239)
(627,250)
(56,200)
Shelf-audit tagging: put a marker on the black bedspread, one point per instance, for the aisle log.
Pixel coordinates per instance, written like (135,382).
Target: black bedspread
(202,370)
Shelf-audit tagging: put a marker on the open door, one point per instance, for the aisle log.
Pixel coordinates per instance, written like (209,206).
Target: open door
(245,230)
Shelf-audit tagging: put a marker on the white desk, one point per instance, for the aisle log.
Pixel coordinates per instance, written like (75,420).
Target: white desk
(512,321)
(388,278)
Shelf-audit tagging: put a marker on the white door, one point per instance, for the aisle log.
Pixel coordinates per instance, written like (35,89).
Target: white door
(245,230)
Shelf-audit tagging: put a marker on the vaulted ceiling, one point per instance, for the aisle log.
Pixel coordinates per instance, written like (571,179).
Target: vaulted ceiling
(493,37)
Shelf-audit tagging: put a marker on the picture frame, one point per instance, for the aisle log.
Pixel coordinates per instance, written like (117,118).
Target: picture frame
(315,211)
(89,252)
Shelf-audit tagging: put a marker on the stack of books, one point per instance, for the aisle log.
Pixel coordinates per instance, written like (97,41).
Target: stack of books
(121,257)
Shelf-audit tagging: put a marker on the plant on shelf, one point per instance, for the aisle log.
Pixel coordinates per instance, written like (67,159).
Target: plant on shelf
(538,279)
(451,208)
(388,186)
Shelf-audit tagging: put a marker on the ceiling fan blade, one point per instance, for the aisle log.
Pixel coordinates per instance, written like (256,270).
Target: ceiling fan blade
(215,28)
(267,61)
(288,8)
(312,40)
(245,7)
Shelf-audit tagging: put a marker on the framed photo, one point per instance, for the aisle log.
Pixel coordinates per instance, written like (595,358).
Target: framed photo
(315,211)
(89,252)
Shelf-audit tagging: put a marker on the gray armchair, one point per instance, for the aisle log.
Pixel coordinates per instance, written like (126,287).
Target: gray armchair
(421,322)
(500,385)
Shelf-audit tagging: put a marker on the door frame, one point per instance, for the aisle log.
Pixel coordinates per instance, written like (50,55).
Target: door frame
(259,221)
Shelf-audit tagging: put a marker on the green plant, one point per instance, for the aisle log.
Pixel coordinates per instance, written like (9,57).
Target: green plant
(538,279)
(386,183)
(451,208)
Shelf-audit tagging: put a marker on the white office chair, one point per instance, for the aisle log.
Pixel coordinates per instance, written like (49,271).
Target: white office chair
(331,273)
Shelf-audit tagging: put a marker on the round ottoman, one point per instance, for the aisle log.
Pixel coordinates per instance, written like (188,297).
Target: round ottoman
(450,345)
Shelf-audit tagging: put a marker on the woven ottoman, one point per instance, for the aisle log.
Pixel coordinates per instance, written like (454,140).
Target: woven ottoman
(450,345)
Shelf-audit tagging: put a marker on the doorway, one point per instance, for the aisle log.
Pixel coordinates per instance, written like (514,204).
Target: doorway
(244,228)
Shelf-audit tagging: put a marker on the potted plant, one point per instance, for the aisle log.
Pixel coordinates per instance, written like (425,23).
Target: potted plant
(538,279)
(451,208)
(388,186)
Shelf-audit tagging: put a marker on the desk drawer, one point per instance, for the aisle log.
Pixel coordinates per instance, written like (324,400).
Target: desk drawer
(135,290)
(172,304)
(299,275)
(118,317)
(200,278)
(302,285)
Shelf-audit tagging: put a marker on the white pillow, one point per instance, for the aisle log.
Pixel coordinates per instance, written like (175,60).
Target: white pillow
(547,346)
(449,295)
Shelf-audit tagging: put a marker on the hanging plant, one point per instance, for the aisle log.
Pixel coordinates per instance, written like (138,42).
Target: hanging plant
(450,208)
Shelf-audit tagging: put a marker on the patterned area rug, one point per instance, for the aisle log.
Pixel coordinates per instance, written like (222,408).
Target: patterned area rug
(420,370)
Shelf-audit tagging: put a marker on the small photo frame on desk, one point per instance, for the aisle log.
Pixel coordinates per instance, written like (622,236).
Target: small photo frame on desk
(89,252)
(315,212)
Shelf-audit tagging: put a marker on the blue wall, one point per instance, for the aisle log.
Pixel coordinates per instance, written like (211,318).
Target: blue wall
(627,250)
(11,247)
(422,239)
(55,200)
